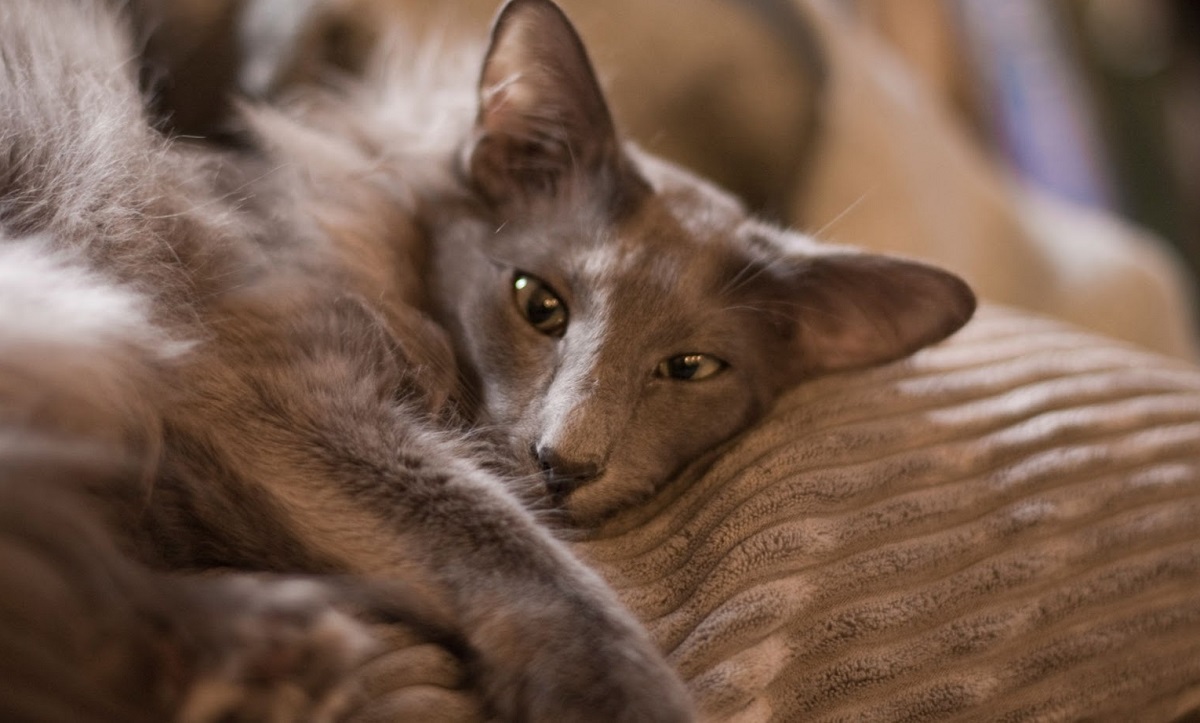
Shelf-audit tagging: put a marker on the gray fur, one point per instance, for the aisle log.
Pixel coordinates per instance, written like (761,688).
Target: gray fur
(87,634)
(297,391)
(656,264)
(650,261)
(653,263)
(292,405)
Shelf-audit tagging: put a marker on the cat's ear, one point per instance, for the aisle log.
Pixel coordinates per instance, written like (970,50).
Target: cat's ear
(543,123)
(849,310)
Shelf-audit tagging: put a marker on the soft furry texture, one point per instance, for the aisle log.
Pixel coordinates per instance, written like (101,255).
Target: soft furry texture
(97,270)
(274,395)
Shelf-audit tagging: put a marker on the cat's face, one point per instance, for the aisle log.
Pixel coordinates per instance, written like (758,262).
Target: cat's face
(623,317)
(614,351)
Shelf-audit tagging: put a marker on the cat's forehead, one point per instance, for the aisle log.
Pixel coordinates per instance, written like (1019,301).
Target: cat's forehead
(673,253)
(686,237)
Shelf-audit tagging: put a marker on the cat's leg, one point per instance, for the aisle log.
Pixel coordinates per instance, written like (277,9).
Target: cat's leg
(414,679)
(297,454)
(545,640)
(548,640)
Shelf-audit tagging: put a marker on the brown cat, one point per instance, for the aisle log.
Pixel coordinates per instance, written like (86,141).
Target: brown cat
(617,319)
(617,316)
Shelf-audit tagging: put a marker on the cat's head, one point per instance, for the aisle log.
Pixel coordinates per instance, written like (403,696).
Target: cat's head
(624,317)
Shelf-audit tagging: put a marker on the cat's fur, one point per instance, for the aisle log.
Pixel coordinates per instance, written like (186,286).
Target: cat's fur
(284,399)
(88,634)
(272,386)
(650,262)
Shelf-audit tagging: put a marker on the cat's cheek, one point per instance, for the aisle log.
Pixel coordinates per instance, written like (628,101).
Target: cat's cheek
(593,503)
(507,362)
(706,420)
(641,467)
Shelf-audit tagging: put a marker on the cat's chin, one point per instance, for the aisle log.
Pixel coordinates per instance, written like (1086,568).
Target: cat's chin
(596,502)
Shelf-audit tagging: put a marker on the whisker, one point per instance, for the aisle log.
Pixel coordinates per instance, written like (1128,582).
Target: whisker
(845,212)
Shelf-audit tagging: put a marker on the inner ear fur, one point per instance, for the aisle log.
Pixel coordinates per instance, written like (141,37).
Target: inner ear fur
(543,123)
(849,310)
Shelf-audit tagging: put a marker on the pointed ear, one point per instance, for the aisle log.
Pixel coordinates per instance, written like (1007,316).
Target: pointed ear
(856,310)
(543,122)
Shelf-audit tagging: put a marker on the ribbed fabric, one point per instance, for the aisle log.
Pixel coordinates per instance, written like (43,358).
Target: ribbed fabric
(1005,527)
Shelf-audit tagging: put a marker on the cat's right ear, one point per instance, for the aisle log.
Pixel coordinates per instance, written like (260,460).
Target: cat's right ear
(850,310)
(543,126)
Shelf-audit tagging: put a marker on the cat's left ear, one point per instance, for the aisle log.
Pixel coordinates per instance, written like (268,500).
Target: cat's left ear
(543,125)
(849,310)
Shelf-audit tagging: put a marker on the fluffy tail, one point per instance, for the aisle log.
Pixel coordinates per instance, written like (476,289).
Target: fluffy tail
(76,150)
(89,250)
(80,162)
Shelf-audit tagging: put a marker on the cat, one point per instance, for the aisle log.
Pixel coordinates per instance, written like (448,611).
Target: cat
(616,316)
(247,344)
(304,429)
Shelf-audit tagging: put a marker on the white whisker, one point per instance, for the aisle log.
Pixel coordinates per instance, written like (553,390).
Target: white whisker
(844,213)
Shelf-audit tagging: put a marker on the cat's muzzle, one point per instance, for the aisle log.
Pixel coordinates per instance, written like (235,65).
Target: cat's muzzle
(563,476)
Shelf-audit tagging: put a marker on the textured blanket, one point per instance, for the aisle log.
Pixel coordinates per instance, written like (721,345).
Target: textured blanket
(1006,527)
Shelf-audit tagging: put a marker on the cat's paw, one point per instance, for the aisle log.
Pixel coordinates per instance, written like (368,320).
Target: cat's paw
(278,651)
(413,679)
(612,687)
(588,667)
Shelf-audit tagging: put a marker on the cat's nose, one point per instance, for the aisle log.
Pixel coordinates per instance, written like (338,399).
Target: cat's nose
(565,474)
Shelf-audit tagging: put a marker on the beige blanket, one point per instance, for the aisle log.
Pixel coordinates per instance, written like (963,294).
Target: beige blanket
(1006,527)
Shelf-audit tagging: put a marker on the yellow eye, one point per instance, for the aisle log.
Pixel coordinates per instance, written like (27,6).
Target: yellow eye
(540,306)
(690,367)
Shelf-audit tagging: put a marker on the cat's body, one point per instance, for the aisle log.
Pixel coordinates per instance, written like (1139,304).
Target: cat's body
(262,386)
(290,407)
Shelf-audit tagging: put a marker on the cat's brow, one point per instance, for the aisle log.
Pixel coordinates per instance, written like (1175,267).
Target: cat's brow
(750,271)
(602,261)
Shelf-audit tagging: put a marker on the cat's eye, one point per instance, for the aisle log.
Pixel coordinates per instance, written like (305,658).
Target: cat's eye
(690,367)
(540,306)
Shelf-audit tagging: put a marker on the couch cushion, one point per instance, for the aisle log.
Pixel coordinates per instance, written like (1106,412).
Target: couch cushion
(1005,526)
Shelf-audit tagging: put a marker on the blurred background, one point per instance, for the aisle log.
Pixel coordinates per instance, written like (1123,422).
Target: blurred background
(1094,100)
